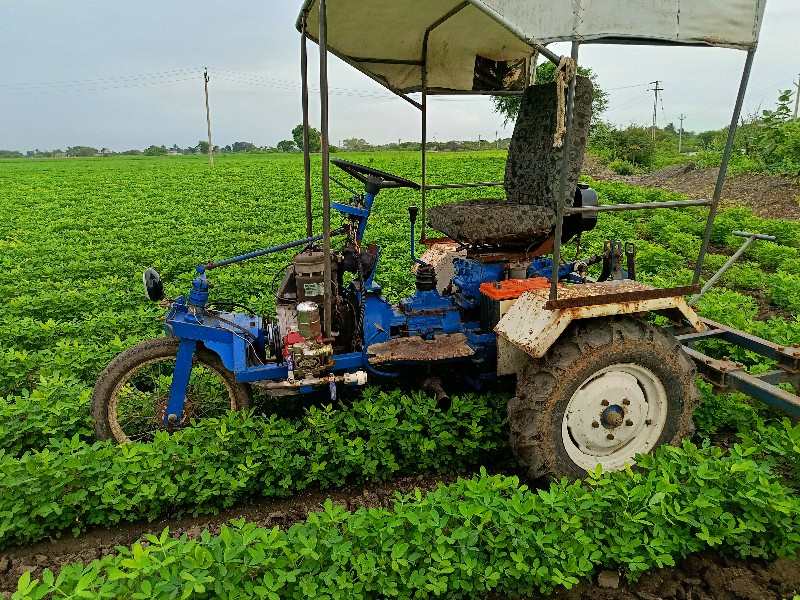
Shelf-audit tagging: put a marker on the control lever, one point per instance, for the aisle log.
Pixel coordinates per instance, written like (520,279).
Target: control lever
(630,256)
(412,217)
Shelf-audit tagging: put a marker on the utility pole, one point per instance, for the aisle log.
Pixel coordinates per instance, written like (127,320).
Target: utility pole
(680,133)
(208,120)
(797,96)
(496,141)
(655,104)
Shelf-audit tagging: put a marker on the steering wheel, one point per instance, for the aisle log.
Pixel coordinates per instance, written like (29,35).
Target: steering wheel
(373,179)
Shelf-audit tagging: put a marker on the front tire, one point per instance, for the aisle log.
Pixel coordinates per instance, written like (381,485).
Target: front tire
(607,390)
(131,394)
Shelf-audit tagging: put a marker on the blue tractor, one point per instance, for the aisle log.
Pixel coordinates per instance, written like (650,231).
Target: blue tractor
(596,381)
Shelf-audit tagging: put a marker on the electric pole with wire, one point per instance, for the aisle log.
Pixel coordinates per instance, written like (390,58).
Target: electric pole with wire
(208,120)
(655,104)
(797,96)
(680,133)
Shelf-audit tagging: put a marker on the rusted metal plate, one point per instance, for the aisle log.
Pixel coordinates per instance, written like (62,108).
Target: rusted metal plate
(609,292)
(417,349)
(533,328)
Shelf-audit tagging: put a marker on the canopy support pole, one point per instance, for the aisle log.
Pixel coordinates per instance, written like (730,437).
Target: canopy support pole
(562,187)
(424,186)
(712,213)
(326,183)
(306,149)
(424,108)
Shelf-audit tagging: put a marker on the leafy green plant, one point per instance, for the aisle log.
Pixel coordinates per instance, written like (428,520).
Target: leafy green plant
(72,484)
(622,167)
(488,533)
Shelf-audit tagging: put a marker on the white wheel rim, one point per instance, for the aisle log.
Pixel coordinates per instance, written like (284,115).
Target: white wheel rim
(615,414)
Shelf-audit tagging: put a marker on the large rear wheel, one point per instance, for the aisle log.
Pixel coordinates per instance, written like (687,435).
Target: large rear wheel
(607,390)
(131,395)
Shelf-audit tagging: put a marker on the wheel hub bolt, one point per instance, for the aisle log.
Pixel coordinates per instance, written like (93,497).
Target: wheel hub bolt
(604,402)
(610,436)
(595,424)
(648,422)
(628,422)
(625,401)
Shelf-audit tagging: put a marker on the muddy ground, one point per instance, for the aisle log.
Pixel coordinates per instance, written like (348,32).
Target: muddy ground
(706,576)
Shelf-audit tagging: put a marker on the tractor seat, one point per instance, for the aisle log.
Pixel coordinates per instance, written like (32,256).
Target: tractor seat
(492,221)
(532,176)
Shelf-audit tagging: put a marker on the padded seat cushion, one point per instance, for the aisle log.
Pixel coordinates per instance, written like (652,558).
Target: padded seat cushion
(532,177)
(491,221)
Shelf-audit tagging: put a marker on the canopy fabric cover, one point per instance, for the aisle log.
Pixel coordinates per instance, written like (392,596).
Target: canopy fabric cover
(385,38)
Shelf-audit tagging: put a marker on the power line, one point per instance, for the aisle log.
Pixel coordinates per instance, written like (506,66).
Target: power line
(100,81)
(94,89)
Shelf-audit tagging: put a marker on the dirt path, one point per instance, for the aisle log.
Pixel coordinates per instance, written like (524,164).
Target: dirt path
(706,576)
(768,196)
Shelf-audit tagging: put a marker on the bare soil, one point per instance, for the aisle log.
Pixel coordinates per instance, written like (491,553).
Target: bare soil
(768,196)
(704,576)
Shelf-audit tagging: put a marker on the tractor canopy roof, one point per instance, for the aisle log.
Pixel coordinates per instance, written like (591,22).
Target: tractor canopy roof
(486,45)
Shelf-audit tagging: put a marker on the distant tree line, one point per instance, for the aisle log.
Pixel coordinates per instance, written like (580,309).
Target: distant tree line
(767,142)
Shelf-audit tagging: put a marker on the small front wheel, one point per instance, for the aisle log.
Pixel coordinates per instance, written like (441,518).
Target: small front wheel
(131,395)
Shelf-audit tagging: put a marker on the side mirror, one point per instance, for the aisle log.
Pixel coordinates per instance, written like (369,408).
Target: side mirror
(153,286)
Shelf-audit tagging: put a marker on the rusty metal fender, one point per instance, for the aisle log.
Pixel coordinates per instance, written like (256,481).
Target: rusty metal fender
(530,327)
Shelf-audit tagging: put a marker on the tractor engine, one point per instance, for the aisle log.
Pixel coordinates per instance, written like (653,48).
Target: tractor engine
(299,307)
(304,349)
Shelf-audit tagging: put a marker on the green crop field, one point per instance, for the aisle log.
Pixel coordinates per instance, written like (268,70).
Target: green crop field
(75,236)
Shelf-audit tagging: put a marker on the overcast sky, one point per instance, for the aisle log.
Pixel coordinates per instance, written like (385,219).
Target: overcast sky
(129,74)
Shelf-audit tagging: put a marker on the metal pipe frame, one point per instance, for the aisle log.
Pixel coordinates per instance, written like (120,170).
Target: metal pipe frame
(306,148)
(562,187)
(326,167)
(712,213)
(424,108)
(752,237)
(729,377)
(575,210)
(449,186)
(270,250)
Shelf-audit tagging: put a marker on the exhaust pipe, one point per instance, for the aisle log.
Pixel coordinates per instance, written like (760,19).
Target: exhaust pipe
(433,386)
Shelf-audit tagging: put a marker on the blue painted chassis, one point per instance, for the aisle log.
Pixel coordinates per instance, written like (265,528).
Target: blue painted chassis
(233,335)
(426,314)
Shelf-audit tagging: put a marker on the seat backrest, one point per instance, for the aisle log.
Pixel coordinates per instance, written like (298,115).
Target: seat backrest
(533,167)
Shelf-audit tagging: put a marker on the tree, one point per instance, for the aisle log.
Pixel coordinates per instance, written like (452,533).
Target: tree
(156,151)
(244,147)
(285,146)
(10,154)
(81,151)
(314,138)
(355,144)
(508,106)
(202,146)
